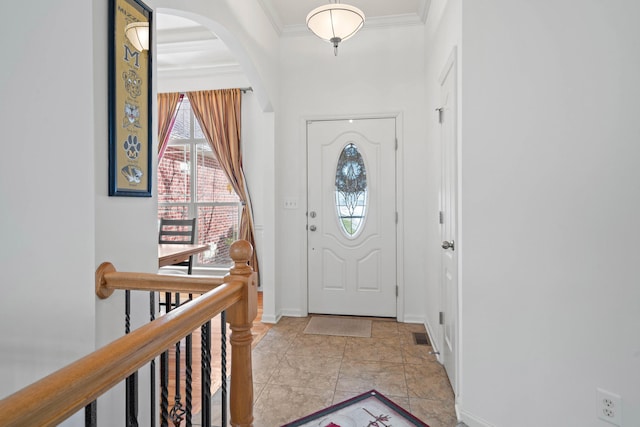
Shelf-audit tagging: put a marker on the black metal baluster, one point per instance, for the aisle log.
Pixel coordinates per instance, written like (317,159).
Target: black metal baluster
(189,375)
(223,369)
(206,374)
(91,415)
(188,380)
(177,412)
(164,375)
(132,397)
(131,383)
(152,316)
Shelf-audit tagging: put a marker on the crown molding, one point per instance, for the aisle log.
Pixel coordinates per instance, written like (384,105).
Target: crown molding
(200,71)
(181,35)
(423,10)
(187,46)
(403,20)
(419,18)
(272,15)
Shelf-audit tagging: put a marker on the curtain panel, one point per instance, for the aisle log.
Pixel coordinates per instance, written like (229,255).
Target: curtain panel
(218,112)
(168,105)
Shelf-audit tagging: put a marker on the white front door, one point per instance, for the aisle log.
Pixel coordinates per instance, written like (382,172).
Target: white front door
(448,220)
(351,221)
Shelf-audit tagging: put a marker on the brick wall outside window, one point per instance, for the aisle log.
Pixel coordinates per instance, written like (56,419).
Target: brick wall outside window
(217,224)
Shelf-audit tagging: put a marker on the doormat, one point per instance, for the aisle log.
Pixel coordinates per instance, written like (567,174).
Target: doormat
(339,326)
(368,409)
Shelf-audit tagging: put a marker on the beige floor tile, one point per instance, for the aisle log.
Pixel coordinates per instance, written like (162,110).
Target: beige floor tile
(374,349)
(293,323)
(436,413)
(341,396)
(417,354)
(428,381)
(387,378)
(307,371)
(296,374)
(272,342)
(320,346)
(411,327)
(383,329)
(264,363)
(257,390)
(279,405)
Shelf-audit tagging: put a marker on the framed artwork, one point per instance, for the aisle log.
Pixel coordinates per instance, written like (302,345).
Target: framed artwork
(130,136)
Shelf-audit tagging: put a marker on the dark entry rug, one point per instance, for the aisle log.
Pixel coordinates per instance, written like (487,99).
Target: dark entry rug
(370,409)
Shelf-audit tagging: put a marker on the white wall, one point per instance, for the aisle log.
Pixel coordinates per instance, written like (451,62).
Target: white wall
(377,71)
(258,160)
(46,190)
(126,230)
(551,202)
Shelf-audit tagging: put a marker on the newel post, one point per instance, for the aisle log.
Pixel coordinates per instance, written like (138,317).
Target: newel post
(240,317)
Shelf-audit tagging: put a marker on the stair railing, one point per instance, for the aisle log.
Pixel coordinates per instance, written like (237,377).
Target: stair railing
(83,381)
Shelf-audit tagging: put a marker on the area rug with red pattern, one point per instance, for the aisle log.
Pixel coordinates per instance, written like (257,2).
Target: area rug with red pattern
(370,409)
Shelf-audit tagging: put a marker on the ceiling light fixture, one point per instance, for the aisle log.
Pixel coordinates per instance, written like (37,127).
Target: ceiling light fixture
(138,35)
(335,22)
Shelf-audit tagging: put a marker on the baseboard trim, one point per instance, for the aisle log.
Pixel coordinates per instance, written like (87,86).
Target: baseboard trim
(472,420)
(434,343)
(293,313)
(272,319)
(413,319)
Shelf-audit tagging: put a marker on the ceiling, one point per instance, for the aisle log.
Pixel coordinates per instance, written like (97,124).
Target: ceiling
(187,48)
(290,15)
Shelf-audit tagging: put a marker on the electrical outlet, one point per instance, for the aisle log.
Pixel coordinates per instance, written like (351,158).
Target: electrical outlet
(291,203)
(609,407)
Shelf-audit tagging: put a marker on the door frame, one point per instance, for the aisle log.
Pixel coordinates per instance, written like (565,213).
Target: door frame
(398,116)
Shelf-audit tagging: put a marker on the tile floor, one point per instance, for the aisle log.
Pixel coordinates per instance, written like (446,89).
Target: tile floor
(296,374)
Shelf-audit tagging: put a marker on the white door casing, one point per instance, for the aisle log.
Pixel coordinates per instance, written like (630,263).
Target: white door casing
(352,275)
(448,218)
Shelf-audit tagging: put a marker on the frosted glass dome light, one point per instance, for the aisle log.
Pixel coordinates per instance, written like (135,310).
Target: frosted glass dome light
(335,22)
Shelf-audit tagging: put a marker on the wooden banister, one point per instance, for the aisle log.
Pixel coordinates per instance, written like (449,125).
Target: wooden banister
(56,397)
(108,280)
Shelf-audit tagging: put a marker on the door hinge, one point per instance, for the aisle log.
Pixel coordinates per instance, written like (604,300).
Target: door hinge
(397,291)
(441,320)
(396,217)
(396,143)
(441,216)
(440,112)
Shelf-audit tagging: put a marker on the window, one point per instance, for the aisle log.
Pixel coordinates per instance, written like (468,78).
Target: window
(191,184)
(351,190)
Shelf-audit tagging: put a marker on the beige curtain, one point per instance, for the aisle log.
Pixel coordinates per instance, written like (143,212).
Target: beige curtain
(168,104)
(218,112)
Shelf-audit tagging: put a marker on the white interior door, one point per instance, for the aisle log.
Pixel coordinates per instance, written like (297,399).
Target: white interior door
(351,223)
(448,220)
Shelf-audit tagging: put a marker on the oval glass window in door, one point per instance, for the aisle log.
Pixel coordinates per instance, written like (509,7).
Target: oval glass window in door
(351,190)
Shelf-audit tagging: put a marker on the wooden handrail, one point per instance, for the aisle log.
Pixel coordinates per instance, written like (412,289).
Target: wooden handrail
(43,403)
(108,280)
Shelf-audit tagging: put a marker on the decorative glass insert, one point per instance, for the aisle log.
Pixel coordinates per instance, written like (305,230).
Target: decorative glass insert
(351,190)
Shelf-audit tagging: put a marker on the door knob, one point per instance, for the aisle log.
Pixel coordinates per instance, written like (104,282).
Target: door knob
(449,245)
(312,228)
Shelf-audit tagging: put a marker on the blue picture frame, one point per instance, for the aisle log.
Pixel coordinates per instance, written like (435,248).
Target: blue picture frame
(130,101)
